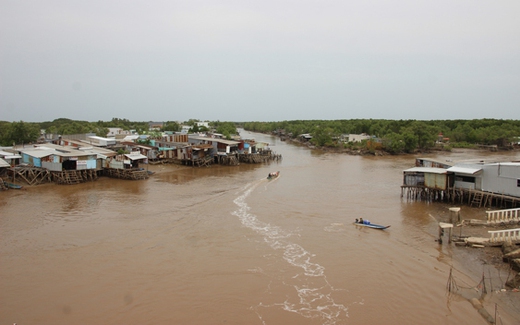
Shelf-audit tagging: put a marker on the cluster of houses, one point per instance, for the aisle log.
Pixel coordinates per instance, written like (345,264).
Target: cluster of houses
(473,182)
(76,158)
(343,138)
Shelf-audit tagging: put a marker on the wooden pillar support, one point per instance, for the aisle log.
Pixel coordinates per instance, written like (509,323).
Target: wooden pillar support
(442,227)
(454,215)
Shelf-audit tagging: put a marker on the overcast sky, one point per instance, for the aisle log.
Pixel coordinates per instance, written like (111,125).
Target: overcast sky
(259,60)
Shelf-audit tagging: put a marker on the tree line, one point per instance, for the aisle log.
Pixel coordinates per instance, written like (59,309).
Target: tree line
(399,136)
(15,133)
(394,136)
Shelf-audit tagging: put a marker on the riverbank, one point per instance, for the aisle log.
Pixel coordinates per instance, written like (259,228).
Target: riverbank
(367,152)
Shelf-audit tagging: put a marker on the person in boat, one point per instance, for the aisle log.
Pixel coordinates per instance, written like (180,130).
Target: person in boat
(357,221)
(361,220)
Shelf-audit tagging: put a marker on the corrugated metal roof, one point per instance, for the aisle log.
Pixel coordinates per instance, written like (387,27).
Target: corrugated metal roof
(511,163)
(131,138)
(438,161)
(5,153)
(224,141)
(4,163)
(464,170)
(431,170)
(95,137)
(13,157)
(39,153)
(228,142)
(103,151)
(134,156)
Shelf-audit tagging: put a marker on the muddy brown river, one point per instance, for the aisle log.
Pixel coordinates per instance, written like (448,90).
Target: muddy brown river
(224,245)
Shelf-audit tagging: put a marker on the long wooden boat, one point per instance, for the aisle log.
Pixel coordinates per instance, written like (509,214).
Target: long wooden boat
(371,225)
(11,185)
(273,175)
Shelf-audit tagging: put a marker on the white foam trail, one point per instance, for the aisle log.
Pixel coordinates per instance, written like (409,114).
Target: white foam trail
(314,301)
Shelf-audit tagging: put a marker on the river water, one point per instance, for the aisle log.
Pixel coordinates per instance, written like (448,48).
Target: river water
(224,245)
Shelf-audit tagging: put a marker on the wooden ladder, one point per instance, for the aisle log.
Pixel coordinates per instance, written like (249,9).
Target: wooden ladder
(477,199)
(71,177)
(2,185)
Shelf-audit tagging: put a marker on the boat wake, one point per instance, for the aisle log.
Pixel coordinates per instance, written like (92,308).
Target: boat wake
(313,292)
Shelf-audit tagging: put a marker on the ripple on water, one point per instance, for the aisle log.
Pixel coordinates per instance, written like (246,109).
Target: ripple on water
(313,292)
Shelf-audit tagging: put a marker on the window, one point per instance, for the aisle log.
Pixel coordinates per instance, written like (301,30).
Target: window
(467,179)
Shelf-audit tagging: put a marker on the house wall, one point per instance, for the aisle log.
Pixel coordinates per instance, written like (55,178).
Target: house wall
(435,181)
(246,147)
(430,163)
(502,179)
(357,137)
(101,141)
(463,181)
(36,162)
(169,154)
(414,179)
(52,166)
(176,138)
(116,164)
(466,185)
(87,164)
(430,180)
